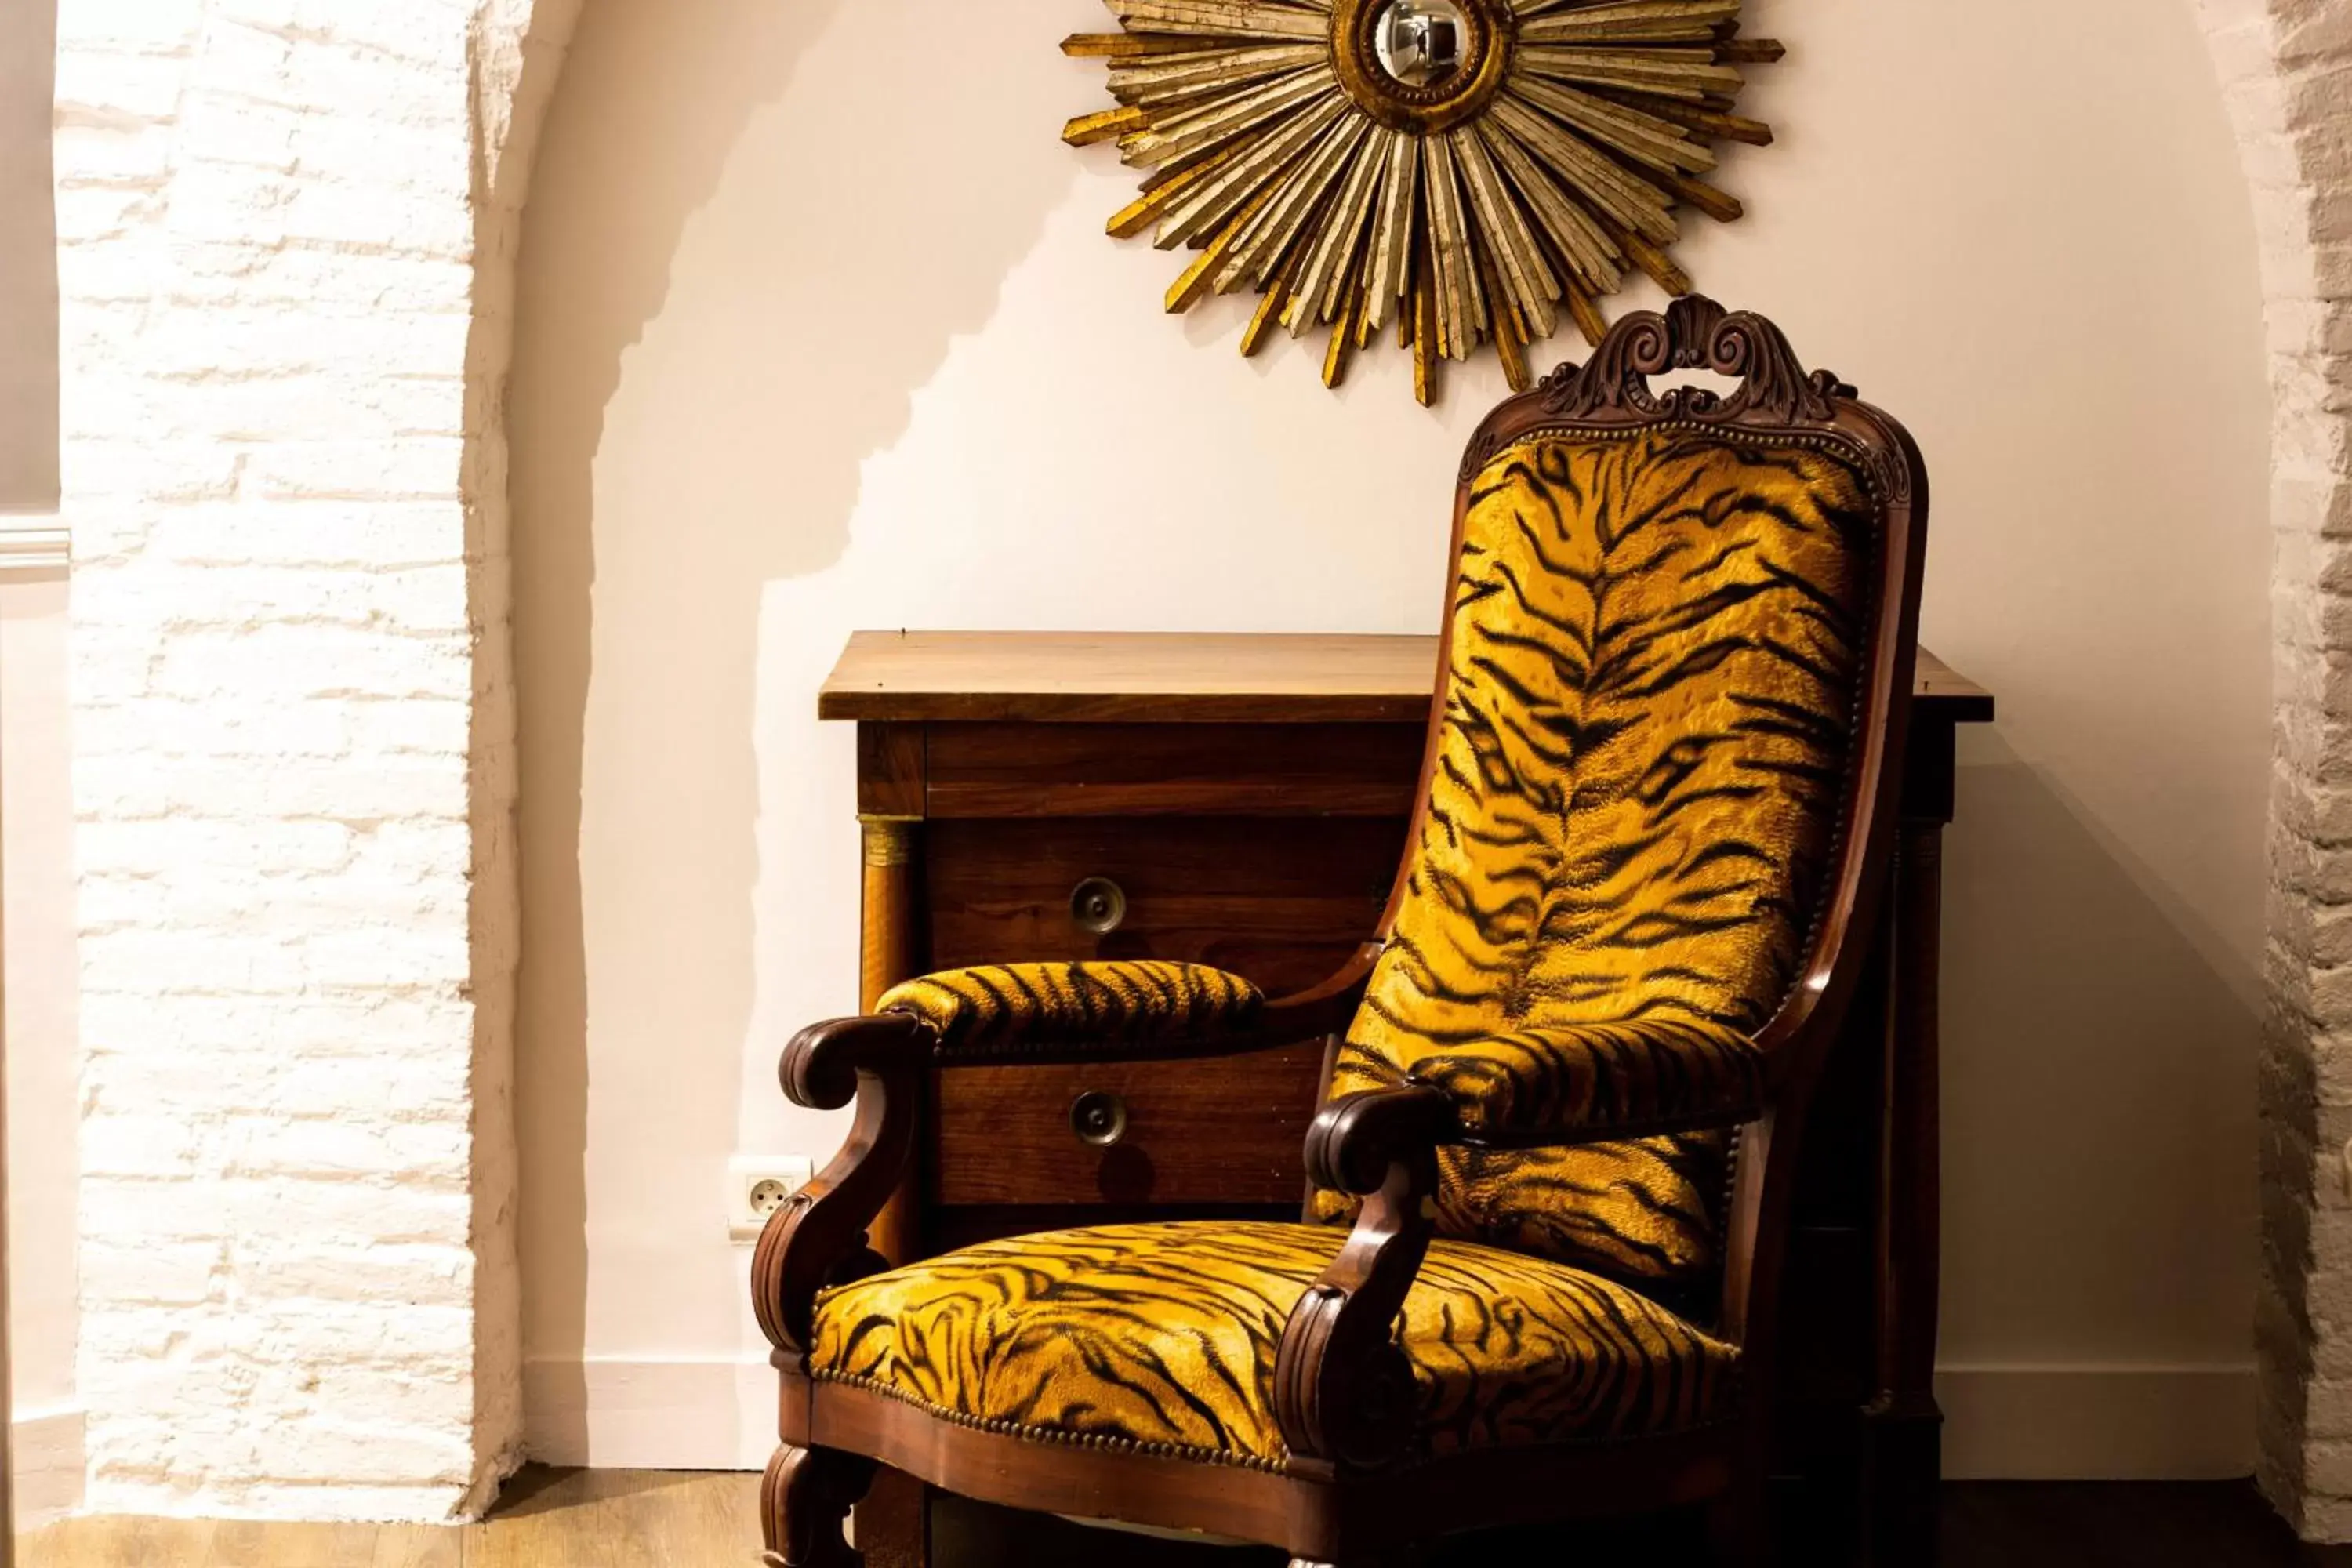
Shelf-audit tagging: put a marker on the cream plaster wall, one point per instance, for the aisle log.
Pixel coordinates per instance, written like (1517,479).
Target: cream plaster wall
(817,329)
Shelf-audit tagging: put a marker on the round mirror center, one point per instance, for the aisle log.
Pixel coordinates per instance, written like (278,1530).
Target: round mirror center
(1420,42)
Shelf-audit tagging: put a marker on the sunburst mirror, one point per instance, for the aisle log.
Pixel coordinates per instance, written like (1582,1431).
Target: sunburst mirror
(1475,169)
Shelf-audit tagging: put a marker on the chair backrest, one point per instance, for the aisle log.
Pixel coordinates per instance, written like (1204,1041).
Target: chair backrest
(1677,665)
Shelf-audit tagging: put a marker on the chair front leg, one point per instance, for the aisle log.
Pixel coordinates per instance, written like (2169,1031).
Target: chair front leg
(804,1500)
(1343,1391)
(1740,1522)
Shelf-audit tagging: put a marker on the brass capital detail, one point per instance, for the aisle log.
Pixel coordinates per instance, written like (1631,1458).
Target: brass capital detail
(889,840)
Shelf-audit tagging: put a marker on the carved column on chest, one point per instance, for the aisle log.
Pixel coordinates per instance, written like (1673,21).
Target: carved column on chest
(893,1524)
(891,802)
(888,938)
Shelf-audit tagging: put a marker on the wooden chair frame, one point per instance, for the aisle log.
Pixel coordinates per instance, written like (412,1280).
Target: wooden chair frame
(1347,1494)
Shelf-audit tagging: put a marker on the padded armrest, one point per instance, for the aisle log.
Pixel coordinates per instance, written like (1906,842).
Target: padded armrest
(1649,1074)
(1007,1010)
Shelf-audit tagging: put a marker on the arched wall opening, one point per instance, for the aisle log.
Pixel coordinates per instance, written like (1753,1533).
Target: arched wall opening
(733,445)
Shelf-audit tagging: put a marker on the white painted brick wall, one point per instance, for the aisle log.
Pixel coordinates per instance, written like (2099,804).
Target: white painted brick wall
(286,230)
(2286,74)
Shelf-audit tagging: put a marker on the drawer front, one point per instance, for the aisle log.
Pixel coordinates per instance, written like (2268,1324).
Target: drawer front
(1223,1131)
(1281,902)
(993,770)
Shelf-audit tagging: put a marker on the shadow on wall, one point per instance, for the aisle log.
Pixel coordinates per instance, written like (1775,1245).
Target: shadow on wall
(2099,1060)
(649,573)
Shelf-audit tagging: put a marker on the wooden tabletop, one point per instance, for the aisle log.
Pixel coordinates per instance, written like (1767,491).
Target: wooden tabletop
(1200,677)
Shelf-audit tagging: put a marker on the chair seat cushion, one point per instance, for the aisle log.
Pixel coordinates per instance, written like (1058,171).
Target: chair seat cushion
(1164,1335)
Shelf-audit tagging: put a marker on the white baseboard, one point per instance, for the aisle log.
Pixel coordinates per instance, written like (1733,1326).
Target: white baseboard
(2001,1422)
(46,1447)
(2097,1423)
(33,544)
(703,1414)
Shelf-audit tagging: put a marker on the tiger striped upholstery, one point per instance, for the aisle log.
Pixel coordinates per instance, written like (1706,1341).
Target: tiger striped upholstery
(1638,1072)
(1164,1336)
(1658,647)
(1002,1007)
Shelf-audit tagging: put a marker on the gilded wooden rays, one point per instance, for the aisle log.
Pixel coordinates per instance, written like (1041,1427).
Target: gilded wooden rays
(1475,169)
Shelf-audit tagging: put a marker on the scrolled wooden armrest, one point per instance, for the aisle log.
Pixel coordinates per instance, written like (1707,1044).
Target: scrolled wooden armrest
(1356,1139)
(820,1066)
(1343,1392)
(818,1238)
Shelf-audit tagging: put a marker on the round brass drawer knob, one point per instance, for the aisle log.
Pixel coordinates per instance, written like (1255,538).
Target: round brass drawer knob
(1098,906)
(1098,1119)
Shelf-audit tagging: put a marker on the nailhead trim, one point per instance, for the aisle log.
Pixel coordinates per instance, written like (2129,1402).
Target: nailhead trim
(1105,1443)
(1102,1441)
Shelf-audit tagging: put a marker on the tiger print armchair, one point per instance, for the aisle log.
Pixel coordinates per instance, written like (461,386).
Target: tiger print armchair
(1551,1181)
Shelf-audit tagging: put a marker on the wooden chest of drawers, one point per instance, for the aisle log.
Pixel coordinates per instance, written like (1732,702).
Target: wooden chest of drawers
(1243,802)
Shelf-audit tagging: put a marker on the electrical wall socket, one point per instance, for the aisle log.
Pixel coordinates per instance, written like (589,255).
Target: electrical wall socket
(757,1185)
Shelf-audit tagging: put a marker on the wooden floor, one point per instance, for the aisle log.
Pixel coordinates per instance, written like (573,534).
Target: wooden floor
(547,1519)
(637,1519)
